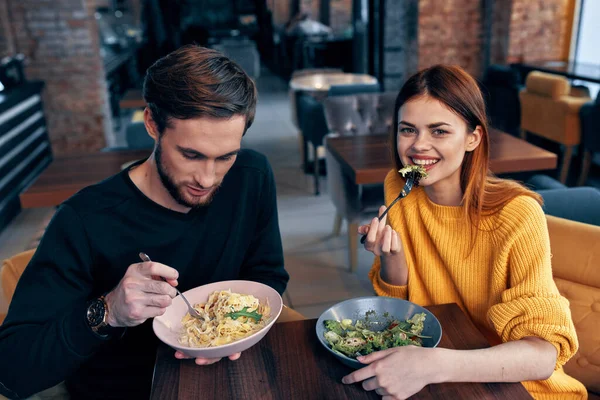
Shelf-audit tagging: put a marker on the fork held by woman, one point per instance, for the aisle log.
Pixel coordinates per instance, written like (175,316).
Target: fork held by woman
(405,191)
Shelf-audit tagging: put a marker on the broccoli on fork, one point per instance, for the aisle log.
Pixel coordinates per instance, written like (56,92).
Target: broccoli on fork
(416,172)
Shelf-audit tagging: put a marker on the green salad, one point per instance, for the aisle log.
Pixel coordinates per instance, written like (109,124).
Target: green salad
(353,339)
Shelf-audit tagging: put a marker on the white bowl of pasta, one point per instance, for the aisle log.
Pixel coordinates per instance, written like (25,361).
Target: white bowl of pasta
(236,316)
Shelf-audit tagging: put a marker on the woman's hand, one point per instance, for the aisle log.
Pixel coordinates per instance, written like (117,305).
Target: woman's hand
(381,240)
(396,373)
(385,242)
(400,372)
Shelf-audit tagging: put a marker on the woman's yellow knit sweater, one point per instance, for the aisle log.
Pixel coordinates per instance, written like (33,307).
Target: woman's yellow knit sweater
(505,284)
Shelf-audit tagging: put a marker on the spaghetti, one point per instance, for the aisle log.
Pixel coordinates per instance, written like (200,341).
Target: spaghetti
(226,317)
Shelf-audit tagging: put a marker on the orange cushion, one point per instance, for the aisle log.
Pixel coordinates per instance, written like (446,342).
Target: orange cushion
(548,85)
(576,269)
(12,269)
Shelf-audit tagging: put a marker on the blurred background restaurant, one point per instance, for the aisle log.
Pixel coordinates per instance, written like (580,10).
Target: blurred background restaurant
(327,73)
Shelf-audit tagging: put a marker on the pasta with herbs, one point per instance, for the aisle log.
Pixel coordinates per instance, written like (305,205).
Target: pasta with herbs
(226,317)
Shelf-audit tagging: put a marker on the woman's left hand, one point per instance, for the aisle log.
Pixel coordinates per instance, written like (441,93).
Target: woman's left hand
(396,373)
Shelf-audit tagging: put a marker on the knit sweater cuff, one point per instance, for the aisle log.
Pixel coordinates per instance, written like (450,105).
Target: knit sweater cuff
(382,288)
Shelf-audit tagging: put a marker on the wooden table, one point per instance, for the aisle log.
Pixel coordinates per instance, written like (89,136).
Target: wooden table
(290,363)
(66,175)
(133,98)
(367,159)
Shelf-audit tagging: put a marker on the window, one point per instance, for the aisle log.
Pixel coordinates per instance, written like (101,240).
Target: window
(588,37)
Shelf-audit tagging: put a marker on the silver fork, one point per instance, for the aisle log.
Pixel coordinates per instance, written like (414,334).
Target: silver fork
(405,191)
(191,309)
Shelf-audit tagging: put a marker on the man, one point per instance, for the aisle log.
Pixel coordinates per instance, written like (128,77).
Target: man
(203,210)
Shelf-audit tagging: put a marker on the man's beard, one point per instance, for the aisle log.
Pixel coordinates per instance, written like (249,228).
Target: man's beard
(169,183)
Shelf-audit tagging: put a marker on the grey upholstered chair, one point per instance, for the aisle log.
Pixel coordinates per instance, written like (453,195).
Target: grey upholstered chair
(311,117)
(244,52)
(362,114)
(137,137)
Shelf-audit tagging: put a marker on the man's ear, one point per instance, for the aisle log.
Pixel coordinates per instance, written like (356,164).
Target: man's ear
(474,138)
(150,124)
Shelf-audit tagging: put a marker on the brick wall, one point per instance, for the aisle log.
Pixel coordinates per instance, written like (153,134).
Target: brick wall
(450,32)
(538,29)
(400,42)
(280,11)
(311,7)
(135,7)
(499,40)
(60,41)
(340,15)
(6,37)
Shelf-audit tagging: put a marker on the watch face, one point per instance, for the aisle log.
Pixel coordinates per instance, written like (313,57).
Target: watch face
(95,313)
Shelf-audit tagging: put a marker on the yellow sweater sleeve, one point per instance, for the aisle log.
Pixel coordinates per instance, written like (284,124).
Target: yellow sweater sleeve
(382,288)
(532,305)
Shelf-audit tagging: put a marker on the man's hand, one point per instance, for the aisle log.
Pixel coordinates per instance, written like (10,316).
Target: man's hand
(206,361)
(396,373)
(141,294)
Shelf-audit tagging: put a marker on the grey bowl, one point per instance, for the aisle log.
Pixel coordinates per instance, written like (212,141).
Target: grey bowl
(386,309)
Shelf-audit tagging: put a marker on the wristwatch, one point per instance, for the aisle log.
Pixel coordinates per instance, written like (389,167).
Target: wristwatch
(97,313)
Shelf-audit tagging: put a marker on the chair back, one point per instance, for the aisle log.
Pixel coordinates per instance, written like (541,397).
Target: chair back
(580,204)
(243,52)
(295,94)
(137,137)
(12,269)
(377,111)
(548,110)
(344,90)
(311,119)
(343,117)
(344,193)
(590,125)
(313,122)
(501,92)
(576,269)
(360,114)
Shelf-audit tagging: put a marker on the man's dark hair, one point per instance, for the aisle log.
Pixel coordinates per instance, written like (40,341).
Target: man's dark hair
(195,82)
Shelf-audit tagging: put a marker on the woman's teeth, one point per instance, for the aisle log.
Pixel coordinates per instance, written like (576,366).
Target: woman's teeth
(424,162)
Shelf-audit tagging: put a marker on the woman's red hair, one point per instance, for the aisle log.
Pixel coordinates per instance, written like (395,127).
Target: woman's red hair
(483,193)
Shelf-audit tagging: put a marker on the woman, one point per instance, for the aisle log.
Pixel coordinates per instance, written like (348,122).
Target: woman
(466,237)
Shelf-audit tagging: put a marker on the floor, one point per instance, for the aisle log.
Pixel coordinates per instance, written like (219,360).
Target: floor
(316,261)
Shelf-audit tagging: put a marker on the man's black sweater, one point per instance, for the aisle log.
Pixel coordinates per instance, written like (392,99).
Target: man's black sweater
(89,244)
